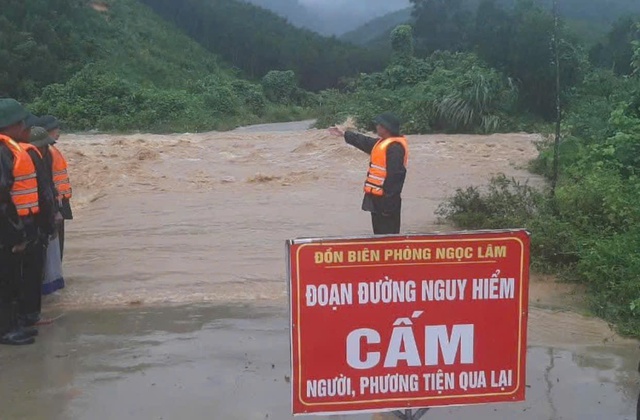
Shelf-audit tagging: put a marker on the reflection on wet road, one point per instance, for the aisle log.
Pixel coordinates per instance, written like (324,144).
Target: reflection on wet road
(230,363)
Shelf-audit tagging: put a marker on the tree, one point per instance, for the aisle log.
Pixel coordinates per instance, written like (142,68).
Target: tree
(40,43)
(280,86)
(402,44)
(440,25)
(493,30)
(616,52)
(556,59)
(635,60)
(519,42)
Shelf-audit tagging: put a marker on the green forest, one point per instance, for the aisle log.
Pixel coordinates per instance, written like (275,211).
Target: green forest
(445,66)
(119,65)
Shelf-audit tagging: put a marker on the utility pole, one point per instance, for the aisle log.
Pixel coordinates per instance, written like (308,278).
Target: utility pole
(556,147)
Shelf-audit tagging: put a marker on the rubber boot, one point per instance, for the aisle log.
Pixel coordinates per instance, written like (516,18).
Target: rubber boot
(17,338)
(28,331)
(25,325)
(29,320)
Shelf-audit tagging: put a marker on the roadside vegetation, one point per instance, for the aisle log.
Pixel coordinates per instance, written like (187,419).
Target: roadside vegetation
(586,230)
(448,78)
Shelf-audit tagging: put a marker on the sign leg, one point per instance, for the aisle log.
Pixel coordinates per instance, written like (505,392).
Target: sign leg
(401,415)
(410,415)
(420,413)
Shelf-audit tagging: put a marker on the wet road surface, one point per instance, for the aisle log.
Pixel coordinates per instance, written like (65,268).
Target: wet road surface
(203,362)
(200,220)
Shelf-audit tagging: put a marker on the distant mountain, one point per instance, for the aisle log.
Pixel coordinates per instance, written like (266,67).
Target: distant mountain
(377,28)
(331,17)
(256,41)
(297,14)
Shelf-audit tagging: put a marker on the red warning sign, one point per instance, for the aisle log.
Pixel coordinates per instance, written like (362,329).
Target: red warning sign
(383,323)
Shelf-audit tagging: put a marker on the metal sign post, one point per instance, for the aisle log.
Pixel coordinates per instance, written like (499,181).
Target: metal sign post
(410,415)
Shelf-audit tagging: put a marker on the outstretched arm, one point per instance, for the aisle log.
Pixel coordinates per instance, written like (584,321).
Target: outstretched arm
(360,141)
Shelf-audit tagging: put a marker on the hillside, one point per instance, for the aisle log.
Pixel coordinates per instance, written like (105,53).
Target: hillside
(122,36)
(589,20)
(294,12)
(256,41)
(116,65)
(596,11)
(331,17)
(377,28)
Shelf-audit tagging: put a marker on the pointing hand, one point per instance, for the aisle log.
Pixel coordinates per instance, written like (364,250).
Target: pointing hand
(335,131)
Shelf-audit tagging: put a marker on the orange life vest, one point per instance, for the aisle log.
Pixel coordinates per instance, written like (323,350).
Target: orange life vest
(378,165)
(24,192)
(60,174)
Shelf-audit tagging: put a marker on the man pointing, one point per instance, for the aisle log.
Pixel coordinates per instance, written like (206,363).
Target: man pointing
(387,172)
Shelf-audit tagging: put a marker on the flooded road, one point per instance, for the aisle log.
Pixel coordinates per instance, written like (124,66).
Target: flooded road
(175,306)
(204,217)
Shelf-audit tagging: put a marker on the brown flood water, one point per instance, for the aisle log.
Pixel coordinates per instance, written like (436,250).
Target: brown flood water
(204,217)
(176,295)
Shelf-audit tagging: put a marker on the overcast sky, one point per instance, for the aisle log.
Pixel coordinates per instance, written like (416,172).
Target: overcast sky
(331,17)
(360,4)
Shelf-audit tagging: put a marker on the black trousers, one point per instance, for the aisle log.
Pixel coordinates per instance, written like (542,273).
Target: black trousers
(32,266)
(61,237)
(9,289)
(385,224)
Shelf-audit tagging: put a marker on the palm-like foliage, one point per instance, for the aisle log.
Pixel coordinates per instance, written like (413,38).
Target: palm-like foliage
(448,92)
(475,102)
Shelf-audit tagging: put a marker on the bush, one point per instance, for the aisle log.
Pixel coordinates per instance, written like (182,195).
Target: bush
(611,269)
(331,109)
(89,97)
(280,86)
(590,231)
(449,92)
(252,96)
(94,99)
(221,100)
(599,202)
(506,203)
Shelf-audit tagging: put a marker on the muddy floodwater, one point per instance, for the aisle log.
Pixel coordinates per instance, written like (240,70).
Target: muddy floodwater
(176,303)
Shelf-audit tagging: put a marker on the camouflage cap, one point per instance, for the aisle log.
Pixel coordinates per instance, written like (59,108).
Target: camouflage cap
(40,137)
(48,122)
(11,112)
(32,121)
(388,121)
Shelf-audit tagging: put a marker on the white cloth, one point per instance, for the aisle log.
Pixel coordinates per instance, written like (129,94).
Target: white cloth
(53,277)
